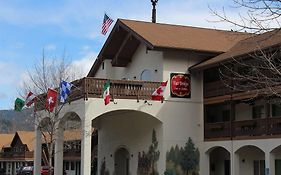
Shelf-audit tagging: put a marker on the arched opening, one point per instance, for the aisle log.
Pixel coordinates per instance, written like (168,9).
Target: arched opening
(219,159)
(70,127)
(127,130)
(276,157)
(121,161)
(251,160)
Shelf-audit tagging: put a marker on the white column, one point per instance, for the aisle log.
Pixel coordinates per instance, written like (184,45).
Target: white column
(234,162)
(269,164)
(86,147)
(58,164)
(37,151)
(204,164)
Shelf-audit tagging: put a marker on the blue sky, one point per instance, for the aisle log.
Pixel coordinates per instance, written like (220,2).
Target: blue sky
(27,27)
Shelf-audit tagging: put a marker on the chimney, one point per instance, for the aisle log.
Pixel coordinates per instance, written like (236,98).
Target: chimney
(154,10)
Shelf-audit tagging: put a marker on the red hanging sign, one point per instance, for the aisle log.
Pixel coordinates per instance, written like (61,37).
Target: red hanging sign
(180,85)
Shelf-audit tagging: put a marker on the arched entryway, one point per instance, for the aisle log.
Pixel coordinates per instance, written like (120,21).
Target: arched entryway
(219,161)
(276,158)
(121,161)
(251,160)
(124,139)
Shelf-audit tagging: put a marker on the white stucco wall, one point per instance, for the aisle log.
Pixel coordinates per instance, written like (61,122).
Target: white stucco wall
(145,59)
(184,116)
(130,130)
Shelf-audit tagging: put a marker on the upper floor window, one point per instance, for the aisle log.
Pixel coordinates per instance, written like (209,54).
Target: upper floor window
(146,75)
(258,111)
(276,110)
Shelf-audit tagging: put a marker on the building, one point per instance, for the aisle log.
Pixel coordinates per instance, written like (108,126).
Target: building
(195,129)
(18,150)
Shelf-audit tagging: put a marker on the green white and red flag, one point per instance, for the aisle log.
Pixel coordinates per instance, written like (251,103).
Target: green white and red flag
(106,95)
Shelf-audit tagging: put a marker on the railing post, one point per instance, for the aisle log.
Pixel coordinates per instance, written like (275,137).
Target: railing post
(267,118)
(85,89)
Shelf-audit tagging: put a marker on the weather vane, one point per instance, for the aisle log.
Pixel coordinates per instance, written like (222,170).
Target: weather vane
(154,10)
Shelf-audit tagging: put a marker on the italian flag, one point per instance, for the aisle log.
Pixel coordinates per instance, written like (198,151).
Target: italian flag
(106,95)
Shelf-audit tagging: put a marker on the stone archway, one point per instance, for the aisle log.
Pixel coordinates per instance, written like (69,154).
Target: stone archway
(219,161)
(121,161)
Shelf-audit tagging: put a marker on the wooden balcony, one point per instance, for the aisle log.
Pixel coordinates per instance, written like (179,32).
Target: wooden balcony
(90,87)
(214,89)
(247,129)
(16,155)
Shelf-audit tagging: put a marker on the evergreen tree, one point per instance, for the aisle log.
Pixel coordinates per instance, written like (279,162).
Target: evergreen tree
(153,153)
(170,154)
(190,157)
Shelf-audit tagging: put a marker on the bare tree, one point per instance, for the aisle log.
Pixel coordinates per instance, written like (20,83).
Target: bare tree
(255,15)
(47,73)
(254,64)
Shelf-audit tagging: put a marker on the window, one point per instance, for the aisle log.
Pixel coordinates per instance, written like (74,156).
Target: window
(276,110)
(66,165)
(225,115)
(102,67)
(146,75)
(259,167)
(72,165)
(211,75)
(257,111)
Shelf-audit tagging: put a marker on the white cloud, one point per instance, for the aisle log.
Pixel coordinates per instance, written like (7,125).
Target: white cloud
(84,64)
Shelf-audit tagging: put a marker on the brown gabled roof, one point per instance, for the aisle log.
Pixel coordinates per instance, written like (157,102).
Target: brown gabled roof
(184,37)
(244,47)
(5,140)
(28,138)
(128,34)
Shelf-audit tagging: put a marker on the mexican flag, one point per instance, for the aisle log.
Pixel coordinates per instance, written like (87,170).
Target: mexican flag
(106,95)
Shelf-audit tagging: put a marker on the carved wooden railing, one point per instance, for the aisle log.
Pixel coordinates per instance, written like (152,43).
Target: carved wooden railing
(17,155)
(214,89)
(119,89)
(90,87)
(264,127)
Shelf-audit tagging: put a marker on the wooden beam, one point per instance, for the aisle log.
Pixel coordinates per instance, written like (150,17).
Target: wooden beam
(115,59)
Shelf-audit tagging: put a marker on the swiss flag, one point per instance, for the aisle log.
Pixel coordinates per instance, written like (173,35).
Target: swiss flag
(159,92)
(51,99)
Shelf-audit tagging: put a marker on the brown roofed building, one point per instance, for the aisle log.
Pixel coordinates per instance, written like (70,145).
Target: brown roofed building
(127,35)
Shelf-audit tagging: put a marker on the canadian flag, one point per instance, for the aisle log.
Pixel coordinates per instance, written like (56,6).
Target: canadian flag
(30,99)
(159,92)
(51,99)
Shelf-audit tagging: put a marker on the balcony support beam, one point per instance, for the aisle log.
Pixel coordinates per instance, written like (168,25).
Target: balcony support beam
(121,48)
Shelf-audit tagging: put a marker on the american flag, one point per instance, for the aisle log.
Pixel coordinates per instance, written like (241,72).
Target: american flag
(106,24)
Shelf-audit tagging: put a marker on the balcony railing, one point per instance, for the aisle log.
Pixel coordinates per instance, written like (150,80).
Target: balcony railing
(90,87)
(214,89)
(265,127)
(17,155)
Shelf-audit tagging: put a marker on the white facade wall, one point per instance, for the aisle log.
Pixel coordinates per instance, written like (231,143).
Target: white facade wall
(184,117)
(145,59)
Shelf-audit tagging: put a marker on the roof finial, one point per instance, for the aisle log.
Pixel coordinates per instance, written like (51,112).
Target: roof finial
(154,10)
